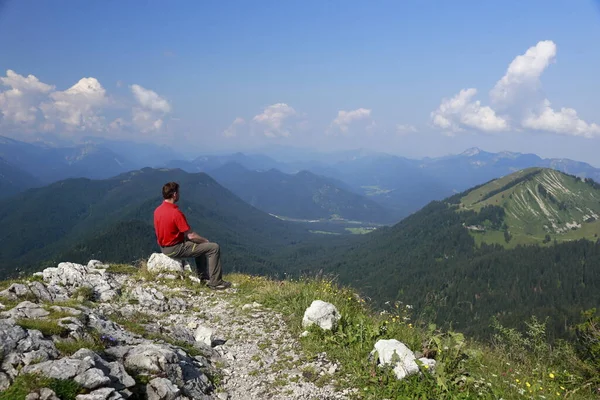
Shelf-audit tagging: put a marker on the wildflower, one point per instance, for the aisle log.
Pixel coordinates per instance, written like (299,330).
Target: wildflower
(410,325)
(557,393)
(562,387)
(516,380)
(528,384)
(551,375)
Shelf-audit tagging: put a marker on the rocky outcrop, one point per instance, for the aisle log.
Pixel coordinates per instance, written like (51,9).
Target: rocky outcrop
(324,315)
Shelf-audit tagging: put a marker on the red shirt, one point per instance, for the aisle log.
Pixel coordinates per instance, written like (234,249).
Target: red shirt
(169,224)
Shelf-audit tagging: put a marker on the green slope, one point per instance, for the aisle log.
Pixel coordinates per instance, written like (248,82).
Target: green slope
(79,217)
(432,259)
(540,205)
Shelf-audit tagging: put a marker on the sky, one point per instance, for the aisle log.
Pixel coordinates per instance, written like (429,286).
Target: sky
(412,78)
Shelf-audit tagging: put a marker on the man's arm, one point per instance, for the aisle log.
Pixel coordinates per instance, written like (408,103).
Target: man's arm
(194,237)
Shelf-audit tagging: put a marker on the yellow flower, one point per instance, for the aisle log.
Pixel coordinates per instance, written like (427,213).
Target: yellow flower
(410,325)
(426,366)
(516,380)
(528,384)
(558,394)
(541,388)
(562,387)
(551,375)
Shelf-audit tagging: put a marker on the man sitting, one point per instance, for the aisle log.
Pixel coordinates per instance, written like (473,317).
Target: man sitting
(176,239)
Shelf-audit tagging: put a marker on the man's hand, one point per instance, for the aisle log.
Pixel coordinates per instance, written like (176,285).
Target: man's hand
(194,237)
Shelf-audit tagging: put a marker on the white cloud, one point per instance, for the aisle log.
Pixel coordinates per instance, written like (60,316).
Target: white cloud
(152,108)
(461,112)
(523,73)
(78,107)
(231,131)
(19,104)
(566,121)
(273,118)
(402,129)
(345,118)
(150,100)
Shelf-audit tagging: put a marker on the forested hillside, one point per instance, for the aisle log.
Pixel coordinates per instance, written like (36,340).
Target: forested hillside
(431,260)
(14,180)
(112,219)
(303,195)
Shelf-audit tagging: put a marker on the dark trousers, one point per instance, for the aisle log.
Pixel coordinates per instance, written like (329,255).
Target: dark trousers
(205,253)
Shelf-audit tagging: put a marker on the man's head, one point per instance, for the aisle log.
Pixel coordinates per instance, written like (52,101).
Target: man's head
(170,191)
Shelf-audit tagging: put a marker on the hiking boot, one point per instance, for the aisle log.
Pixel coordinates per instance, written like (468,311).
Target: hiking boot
(221,286)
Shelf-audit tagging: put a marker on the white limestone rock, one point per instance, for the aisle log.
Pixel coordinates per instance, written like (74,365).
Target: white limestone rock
(204,335)
(159,262)
(401,358)
(428,363)
(323,314)
(162,389)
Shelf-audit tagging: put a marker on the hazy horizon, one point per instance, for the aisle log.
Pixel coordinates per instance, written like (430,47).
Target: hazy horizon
(410,79)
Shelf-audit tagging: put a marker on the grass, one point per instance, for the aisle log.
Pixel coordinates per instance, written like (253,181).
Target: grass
(27,383)
(68,347)
(124,269)
(46,326)
(514,366)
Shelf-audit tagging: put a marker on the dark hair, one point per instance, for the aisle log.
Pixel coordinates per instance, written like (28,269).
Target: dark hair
(170,189)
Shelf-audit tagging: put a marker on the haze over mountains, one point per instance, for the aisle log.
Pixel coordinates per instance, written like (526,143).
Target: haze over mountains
(399,185)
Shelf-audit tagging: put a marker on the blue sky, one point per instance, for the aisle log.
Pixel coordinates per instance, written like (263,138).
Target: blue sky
(415,78)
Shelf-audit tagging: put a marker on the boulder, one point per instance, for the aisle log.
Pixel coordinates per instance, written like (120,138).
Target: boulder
(25,309)
(100,394)
(396,354)
(42,394)
(161,389)
(204,335)
(16,291)
(321,313)
(159,262)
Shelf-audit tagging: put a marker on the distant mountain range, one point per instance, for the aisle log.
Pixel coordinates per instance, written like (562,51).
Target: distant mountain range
(303,195)
(398,184)
(111,219)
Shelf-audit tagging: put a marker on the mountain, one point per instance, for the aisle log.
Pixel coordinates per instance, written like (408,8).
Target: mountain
(14,180)
(303,195)
(140,155)
(436,261)
(50,164)
(394,182)
(538,205)
(207,163)
(112,219)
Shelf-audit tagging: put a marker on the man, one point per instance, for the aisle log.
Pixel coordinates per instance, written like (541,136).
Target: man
(176,239)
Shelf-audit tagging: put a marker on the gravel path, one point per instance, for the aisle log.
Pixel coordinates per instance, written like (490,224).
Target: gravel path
(264,360)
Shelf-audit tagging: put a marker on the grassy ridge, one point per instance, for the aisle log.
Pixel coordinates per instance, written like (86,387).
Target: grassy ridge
(541,205)
(513,366)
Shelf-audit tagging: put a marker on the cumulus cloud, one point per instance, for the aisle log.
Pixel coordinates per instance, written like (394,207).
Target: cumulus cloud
(566,122)
(149,99)
(79,107)
(461,112)
(148,114)
(345,118)
(19,104)
(272,119)
(231,131)
(523,73)
(516,97)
